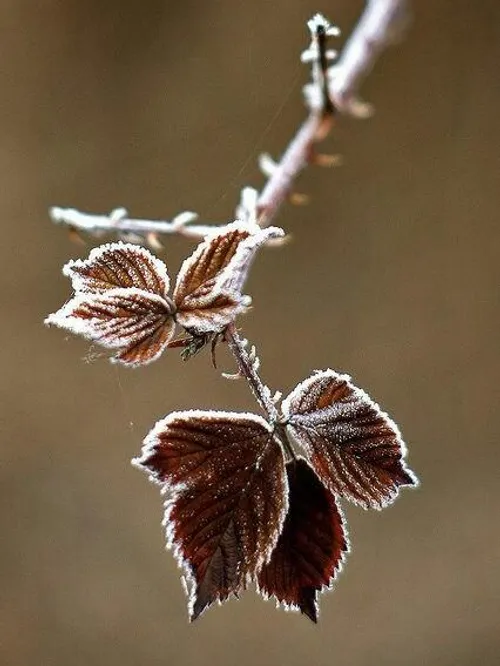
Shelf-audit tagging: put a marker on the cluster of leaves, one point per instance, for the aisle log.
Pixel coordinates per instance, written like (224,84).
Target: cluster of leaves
(242,505)
(239,512)
(121,296)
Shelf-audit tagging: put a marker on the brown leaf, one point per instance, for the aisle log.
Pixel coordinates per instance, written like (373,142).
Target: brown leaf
(236,273)
(208,288)
(118,265)
(136,323)
(354,447)
(311,547)
(225,475)
(212,317)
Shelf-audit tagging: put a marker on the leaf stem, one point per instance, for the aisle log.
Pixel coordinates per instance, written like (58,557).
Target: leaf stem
(248,368)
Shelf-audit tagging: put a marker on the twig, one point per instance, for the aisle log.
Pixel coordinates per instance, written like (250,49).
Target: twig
(332,88)
(300,150)
(381,24)
(297,156)
(118,221)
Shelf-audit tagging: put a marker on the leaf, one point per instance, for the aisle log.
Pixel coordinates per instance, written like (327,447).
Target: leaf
(225,475)
(236,273)
(354,447)
(118,265)
(214,316)
(312,545)
(136,323)
(208,288)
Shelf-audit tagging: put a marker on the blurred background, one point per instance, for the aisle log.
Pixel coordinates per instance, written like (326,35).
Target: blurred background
(391,276)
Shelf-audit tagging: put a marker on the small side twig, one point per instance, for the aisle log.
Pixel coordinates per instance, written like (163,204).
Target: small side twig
(118,221)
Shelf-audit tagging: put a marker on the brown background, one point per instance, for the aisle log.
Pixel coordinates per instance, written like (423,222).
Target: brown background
(163,106)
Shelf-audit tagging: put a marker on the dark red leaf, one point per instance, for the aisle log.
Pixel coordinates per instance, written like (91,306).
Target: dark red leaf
(354,447)
(118,265)
(138,324)
(225,475)
(312,545)
(208,288)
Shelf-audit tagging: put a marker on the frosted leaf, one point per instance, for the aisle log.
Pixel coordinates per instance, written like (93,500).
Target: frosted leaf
(227,497)
(207,294)
(311,547)
(215,316)
(138,324)
(118,265)
(208,288)
(354,447)
(237,271)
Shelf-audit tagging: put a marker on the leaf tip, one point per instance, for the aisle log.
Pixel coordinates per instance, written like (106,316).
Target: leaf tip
(50,319)
(309,605)
(198,608)
(409,479)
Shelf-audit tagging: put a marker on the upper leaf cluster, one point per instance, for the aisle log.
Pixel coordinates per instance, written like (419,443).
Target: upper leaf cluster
(121,293)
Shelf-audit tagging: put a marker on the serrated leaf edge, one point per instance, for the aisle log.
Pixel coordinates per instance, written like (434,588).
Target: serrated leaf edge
(78,282)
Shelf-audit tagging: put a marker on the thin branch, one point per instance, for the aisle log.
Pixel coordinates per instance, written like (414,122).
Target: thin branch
(332,88)
(296,157)
(300,151)
(118,221)
(382,23)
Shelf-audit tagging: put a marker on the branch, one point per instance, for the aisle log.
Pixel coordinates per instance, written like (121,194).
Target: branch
(296,157)
(382,23)
(118,221)
(331,89)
